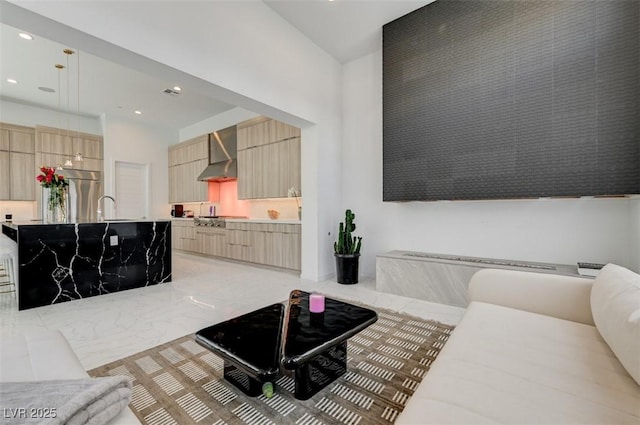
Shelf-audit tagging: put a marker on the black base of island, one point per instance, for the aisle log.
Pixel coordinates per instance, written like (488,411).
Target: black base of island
(64,262)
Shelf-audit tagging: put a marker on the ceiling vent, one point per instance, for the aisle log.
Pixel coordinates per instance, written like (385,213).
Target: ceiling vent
(171,92)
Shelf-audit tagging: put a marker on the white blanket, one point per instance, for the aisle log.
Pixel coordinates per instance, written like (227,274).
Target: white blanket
(92,401)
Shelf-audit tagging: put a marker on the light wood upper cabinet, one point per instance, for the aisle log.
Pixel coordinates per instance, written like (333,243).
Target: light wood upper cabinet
(253,132)
(55,143)
(89,147)
(186,161)
(22,141)
(4,139)
(17,163)
(17,138)
(261,131)
(5,182)
(268,159)
(281,131)
(23,178)
(56,146)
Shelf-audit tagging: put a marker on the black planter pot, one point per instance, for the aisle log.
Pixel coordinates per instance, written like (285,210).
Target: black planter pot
(347,268)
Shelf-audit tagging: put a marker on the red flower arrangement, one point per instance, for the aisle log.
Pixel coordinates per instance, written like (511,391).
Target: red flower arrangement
(50,179)
(56,202)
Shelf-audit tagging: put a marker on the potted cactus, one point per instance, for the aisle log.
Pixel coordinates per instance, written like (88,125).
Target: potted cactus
(347,251)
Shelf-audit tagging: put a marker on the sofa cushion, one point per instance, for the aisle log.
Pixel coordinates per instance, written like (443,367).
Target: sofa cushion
(503,365)
(38,356)
(45,355)
(615,304)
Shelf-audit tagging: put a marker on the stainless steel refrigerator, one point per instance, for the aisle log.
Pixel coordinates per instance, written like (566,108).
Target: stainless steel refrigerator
(85,187)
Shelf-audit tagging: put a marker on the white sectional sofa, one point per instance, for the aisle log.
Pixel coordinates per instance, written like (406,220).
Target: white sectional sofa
(44,356)
(540,349)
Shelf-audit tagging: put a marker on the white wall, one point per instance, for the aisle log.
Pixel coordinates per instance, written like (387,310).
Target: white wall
(215,123)
(30,116)
(250,57)
(130,141)
(551,230)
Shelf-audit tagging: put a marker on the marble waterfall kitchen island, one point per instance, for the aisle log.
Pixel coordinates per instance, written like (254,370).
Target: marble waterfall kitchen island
(64,262)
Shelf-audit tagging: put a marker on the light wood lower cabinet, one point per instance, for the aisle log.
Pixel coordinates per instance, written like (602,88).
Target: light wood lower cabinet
(211,241)
(183,235)
(271,244)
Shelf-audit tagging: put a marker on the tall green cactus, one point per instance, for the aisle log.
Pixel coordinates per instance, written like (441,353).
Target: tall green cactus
(346,243)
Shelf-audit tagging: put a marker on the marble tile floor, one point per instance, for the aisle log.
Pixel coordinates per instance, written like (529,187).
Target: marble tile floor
(203,292)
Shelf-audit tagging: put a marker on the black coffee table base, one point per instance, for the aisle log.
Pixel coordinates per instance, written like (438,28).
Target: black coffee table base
(309,378)
(320,371)
(245,383)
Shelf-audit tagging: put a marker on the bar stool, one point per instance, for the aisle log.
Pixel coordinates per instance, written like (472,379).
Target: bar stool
(8,265)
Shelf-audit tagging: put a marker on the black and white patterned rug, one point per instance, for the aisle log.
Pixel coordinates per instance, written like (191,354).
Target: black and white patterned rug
(181,382)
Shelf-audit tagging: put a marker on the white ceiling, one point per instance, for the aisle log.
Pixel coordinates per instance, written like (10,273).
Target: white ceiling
(105,87)
(345,29)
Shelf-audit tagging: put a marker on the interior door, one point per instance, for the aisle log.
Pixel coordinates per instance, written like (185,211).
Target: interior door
(131,190)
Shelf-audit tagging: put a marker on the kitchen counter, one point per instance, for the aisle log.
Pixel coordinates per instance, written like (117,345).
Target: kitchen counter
(247,220)
(65,262)
(15,224)
(264,220)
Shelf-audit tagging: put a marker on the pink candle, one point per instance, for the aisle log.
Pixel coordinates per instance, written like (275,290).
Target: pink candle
(316,303)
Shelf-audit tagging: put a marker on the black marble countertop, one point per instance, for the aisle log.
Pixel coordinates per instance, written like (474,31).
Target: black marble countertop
(15,224)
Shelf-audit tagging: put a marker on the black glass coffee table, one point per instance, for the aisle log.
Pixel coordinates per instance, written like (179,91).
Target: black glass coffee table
(260,346)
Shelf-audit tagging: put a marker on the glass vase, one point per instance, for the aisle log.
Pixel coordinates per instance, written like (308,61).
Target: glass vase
(55,205)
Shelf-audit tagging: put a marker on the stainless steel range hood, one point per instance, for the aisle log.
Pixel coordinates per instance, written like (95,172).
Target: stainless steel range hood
(222,156)
(220,171)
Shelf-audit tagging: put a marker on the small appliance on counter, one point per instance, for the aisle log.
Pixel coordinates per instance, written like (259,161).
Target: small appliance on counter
(187,213)
(177,210)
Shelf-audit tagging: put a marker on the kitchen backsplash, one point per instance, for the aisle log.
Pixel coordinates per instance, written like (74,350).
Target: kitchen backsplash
(224,197)
(20,210)
(287,208)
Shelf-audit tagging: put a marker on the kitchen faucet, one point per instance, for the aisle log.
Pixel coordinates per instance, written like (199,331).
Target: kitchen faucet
(99,211)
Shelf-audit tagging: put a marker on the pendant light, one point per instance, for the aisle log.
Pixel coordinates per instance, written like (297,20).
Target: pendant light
(59,67)
(78,156)
(68,52)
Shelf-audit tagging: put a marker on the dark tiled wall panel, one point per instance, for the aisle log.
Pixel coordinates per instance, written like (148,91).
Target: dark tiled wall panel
(498,99)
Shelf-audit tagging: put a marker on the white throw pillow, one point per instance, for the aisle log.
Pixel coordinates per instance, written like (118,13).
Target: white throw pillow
(615,304)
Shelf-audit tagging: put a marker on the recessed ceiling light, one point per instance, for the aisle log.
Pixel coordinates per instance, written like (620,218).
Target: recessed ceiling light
(25,36)
(138,113)
(177,88)
(46,89)
(12,80)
